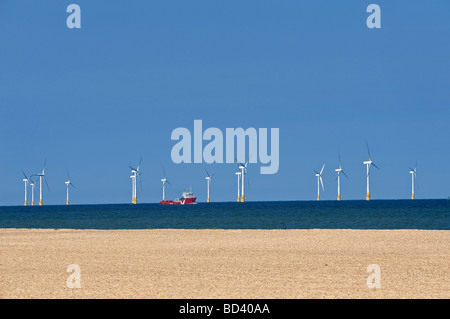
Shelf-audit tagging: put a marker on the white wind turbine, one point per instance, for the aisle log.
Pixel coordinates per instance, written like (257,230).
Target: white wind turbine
(135,175)
(42,177)
(413,173)
(32,184)
(243,168)
(164,181)
(319,181)
(368,164)
(339,171)
(68,183)
(26,180)
(239,188)
(208,182)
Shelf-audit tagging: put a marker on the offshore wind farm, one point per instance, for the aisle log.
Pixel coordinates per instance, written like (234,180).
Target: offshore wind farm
(242,180)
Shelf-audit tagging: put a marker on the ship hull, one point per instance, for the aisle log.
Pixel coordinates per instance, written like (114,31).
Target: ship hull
(185,201)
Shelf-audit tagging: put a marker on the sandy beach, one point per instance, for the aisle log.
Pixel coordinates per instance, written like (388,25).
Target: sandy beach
(215,263)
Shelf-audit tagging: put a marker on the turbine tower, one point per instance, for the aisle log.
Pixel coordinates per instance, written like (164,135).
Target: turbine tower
(368,164)
(243,168)
(239,187)
(42,177)
(413,173)
(339,171)
(32,184)
(135,175)
(319,181)
(208,182)
(68,183)
(164,181)
(26,180)
(133,187)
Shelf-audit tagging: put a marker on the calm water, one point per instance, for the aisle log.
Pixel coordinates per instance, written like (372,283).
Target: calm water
(377,214)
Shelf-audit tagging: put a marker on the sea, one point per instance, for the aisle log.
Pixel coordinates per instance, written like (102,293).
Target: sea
(358,214)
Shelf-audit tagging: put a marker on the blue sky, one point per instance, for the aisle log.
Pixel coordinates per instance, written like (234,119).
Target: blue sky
(93,100)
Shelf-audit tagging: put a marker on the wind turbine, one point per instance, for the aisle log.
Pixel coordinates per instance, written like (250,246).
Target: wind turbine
(319,181)
(164,181)
(135,175)
(42,177)
(339,171)
(32,184)
(239,179)
(26,180)
(413,173)
(68,183)
(208,182)
(368,164)
(243,168)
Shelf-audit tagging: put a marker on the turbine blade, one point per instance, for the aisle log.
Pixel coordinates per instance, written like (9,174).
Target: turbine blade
(339,154)
(321,182)
(316,172)
(375,165)
(72,185)
(48,188)
(239,163)
(322,169)
(24,175)
(368,151)
(207,172)
(213,175)
(345,174)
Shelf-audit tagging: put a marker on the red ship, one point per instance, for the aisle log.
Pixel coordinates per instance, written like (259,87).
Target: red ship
(187,198)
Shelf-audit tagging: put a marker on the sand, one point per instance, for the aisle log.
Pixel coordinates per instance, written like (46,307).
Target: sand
(216,263)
